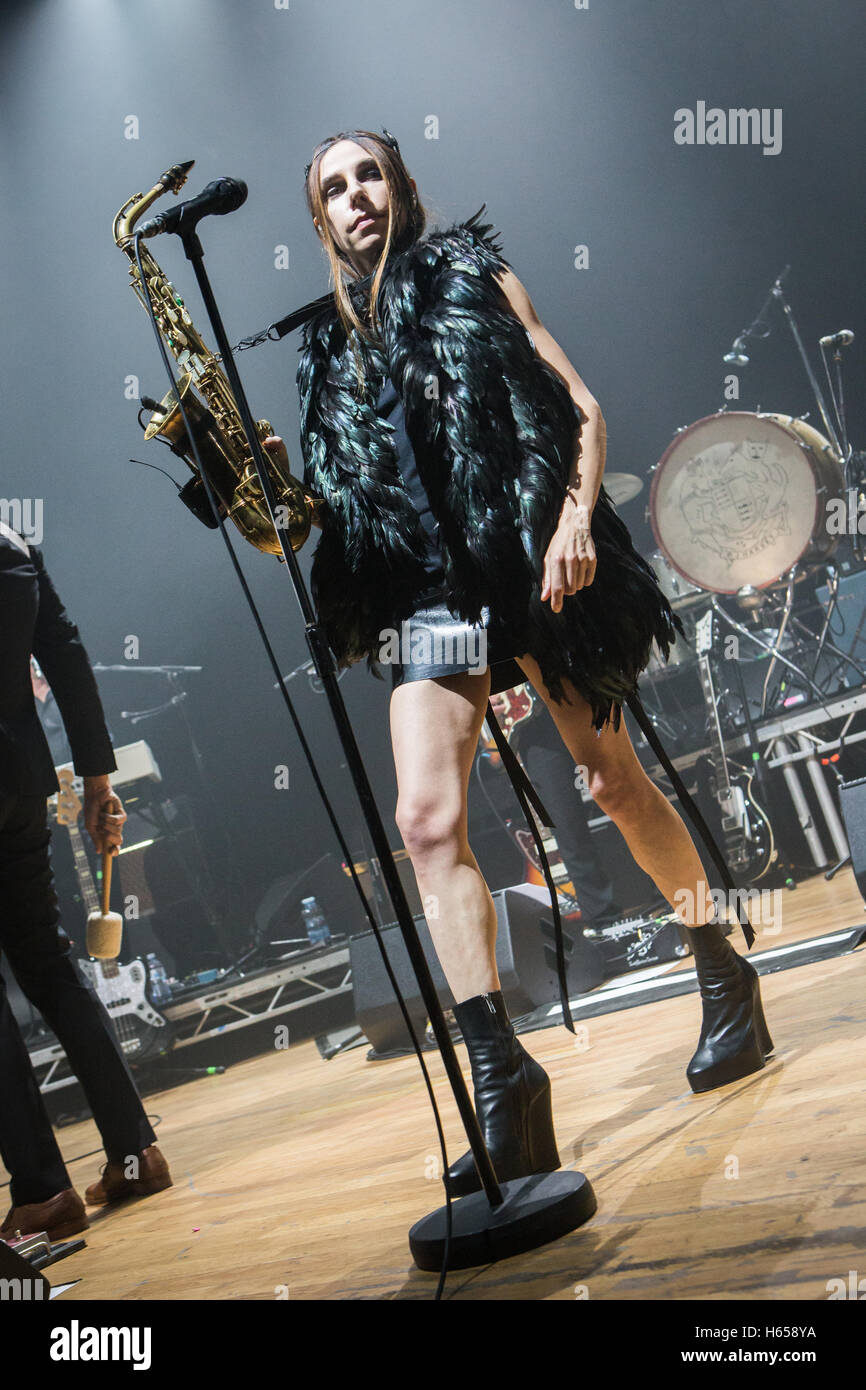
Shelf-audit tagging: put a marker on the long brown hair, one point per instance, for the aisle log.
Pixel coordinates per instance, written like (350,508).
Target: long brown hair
(407,220)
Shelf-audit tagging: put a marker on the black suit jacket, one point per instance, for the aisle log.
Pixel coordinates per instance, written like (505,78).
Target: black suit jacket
(32,619)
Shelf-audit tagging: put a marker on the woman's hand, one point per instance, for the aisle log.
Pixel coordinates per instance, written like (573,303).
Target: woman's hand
(275,448)
(570,562)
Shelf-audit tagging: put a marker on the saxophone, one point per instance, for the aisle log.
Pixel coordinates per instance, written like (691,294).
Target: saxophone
(216,422)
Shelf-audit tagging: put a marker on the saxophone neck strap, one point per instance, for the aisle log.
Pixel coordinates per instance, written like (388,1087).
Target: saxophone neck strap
(298,316)
(526,794)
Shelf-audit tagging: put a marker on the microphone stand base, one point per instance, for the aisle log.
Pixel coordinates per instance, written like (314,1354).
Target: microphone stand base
(536,1210)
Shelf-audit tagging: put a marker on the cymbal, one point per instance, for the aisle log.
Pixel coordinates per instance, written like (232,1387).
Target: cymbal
(622,487)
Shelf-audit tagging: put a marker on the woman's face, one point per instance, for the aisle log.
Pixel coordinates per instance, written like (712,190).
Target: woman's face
(355,196)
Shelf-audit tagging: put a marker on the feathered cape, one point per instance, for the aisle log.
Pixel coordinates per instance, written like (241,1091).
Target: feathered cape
(494,430)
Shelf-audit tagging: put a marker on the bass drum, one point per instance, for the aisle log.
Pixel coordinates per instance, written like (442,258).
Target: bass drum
(738,499)
(683,653)
(677,590)
(682,596)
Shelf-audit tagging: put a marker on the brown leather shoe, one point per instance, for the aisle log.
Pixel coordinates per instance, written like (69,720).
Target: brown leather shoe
(115,1186)
(61,1216)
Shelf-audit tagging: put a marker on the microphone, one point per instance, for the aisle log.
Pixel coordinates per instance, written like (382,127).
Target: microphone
(737,355)
(844,338)
(220,196)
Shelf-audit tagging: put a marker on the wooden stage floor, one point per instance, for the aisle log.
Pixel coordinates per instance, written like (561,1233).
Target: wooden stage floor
(299,1177)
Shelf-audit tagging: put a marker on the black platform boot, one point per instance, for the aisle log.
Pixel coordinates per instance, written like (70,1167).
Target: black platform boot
(512,1098)
(734,1039)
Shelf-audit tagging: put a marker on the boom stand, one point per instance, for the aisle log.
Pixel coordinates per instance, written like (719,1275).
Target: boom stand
(500,1220)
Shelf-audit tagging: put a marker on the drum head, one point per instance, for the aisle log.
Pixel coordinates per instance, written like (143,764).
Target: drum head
(736,500)
(677,590)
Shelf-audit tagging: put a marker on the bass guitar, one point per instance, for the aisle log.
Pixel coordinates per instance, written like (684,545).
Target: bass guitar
(747,833)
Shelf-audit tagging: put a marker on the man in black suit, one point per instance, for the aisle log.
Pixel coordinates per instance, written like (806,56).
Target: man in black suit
(32,620)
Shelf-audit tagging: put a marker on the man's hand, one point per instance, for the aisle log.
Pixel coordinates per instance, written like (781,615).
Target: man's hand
(41,688)
(104,815)
(498,706)
(570,562)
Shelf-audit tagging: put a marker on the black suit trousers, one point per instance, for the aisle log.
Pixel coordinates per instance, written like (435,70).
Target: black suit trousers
(551,769)
(39,953)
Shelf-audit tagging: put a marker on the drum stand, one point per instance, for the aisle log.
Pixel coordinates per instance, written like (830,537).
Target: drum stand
(798,744)
(774,647)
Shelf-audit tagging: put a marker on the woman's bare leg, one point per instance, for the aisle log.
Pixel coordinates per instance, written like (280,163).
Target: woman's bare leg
(435,726)
(653,830)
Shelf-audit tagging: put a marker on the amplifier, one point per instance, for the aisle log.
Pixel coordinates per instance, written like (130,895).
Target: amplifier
(852,802)
(848,624)
(525,958)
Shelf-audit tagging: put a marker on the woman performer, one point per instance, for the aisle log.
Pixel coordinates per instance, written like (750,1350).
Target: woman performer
(460,456)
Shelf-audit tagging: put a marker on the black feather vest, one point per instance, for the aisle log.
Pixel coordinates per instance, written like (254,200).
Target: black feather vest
(494,430)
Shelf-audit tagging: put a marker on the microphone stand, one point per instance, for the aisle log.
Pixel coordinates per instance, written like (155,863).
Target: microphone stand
(738,357)
(500,1220)
(779,295)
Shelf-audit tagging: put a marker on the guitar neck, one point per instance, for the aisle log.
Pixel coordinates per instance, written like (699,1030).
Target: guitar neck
(107,968)
(718,755)
(82,870)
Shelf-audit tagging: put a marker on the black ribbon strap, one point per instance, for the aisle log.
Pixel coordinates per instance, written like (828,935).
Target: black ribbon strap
(691,809)
(525,792)
(275,331)
(299,316)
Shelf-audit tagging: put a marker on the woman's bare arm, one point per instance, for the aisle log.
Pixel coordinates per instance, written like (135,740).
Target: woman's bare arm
(585,479)
(570,562)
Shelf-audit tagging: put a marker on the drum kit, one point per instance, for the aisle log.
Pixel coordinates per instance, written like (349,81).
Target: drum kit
(738,507)
(742,506)
(759,519)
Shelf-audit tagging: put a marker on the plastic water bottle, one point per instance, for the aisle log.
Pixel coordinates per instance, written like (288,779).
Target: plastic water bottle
(160,989)
(314,920)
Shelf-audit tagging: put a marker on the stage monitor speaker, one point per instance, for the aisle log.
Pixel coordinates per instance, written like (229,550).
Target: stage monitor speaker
(850,616)
(525,958)
(852,802)
(500,861)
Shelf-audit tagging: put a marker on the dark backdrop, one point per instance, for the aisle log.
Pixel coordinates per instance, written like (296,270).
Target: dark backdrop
(560,119)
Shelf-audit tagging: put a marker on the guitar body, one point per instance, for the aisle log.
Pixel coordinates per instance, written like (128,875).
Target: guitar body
(746,831)
(752,850)
(525,843)
(520,703)
(141,1031)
